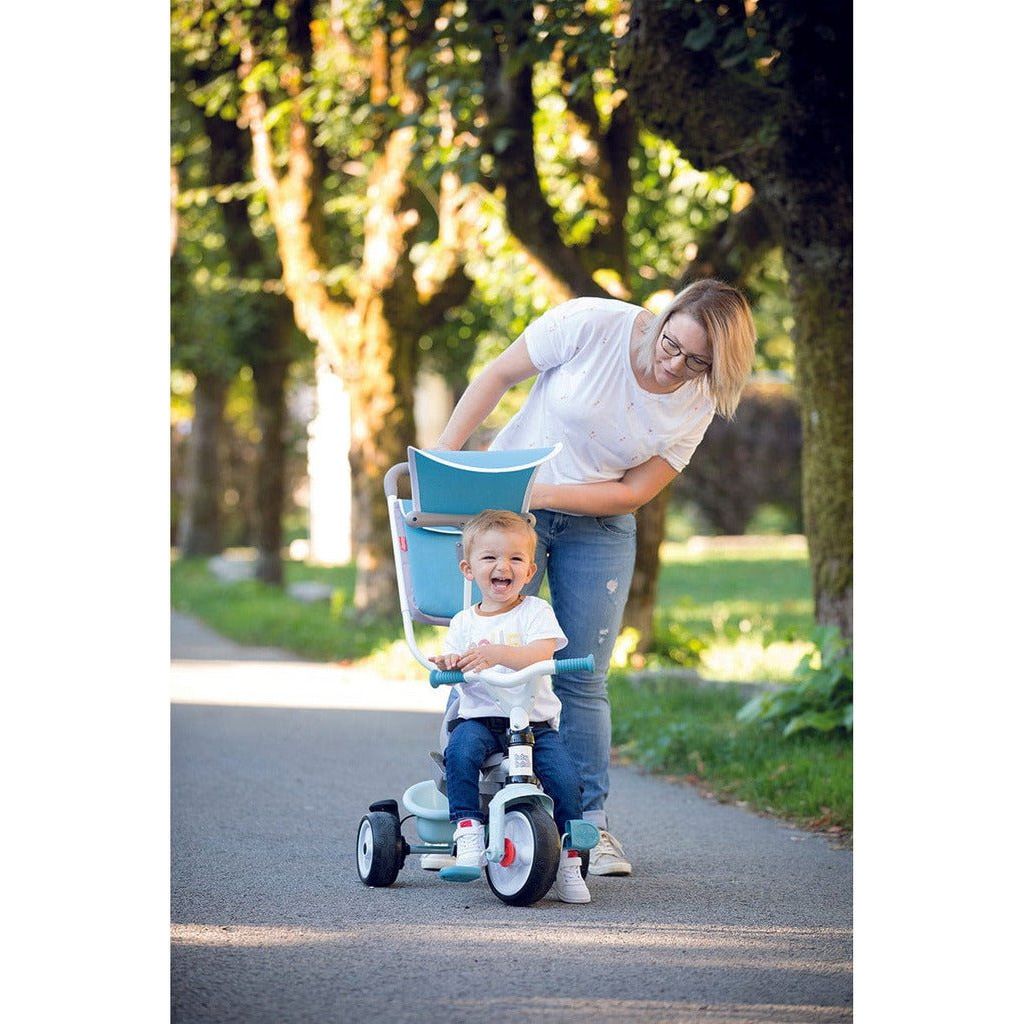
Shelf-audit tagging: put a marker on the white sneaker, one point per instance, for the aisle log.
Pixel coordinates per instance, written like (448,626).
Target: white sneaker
(569,884)
(436,861)
(608,858)
(469,843)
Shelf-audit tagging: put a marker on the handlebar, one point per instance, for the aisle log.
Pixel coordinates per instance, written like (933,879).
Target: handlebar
(506,680)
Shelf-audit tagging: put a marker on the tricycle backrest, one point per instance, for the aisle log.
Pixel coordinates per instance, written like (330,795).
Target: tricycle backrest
(449,488)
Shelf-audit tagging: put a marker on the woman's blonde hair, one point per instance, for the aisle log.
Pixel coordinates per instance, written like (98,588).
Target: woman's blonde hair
(725,315)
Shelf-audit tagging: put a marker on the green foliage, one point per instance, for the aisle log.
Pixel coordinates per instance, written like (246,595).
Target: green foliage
(668,725)
(740,43)
(820,699)
(752,459)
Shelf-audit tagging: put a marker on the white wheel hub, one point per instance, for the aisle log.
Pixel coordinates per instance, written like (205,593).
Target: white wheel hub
(508,881)
(364,849)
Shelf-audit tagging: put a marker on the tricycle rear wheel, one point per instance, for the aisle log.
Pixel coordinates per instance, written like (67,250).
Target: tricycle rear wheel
(379,848)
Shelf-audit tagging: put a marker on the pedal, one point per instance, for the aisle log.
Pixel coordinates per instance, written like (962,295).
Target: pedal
(582,835)
(457,874)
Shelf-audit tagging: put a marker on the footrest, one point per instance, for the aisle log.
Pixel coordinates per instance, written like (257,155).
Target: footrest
(463,874)
(581,835)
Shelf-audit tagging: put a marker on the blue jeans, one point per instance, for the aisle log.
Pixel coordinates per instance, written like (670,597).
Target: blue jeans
(589,566)
(474,740)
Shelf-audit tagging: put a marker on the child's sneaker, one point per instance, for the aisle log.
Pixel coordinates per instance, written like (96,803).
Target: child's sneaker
(469,852)
(569,884)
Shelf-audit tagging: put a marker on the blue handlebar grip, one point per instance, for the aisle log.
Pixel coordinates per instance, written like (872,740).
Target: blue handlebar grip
(439,678)
(575,664)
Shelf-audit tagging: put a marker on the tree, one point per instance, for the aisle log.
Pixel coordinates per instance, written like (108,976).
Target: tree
(321,88)
(201,345)
(571,209)
(266,342)
(766,91)
(227,312)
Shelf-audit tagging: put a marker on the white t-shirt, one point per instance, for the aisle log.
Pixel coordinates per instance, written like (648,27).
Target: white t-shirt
(587,396)
(532,619)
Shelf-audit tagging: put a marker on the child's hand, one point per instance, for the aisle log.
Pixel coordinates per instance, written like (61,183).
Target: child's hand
(446,662)
(483,657)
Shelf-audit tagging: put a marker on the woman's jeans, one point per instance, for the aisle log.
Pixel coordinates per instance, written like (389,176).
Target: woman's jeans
(589,566)
(473,740)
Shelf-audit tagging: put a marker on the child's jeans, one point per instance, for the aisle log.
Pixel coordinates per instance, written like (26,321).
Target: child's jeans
(474,740)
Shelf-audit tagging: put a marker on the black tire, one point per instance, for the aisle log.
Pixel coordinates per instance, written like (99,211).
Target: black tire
(532,874)
(378,848)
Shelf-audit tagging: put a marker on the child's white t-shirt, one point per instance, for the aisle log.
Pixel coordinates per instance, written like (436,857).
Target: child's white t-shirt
(532,619)
(587,396)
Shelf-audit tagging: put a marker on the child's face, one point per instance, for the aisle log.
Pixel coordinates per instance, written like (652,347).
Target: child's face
(501,564)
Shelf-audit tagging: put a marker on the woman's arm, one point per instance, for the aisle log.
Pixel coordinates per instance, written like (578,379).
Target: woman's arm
(484,393)
(610,497)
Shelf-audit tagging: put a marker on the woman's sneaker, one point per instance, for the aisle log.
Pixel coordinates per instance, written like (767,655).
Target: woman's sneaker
(569,884)
(608,858)
(436,861)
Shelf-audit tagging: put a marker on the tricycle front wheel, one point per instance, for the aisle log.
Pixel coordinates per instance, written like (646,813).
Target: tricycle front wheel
(531,863)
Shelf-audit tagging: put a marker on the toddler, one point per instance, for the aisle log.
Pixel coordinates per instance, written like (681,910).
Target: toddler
(506,630)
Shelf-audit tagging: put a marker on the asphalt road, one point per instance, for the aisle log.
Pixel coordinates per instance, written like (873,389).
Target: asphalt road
(728,917)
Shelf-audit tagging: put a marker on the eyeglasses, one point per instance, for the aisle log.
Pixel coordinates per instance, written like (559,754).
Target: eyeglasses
(692,363)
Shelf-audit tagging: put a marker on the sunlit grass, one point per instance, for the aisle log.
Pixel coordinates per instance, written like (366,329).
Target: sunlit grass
(751,660)
(741,613)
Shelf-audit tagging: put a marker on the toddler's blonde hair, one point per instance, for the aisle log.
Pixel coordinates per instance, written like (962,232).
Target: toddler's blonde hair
(495,519)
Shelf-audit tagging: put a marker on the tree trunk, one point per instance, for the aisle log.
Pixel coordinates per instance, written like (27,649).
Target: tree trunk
(382,429)
(822,303)
(433,403)
(200,518)
(643,588)
(269,379)
(372,343)
(788,131)
(265,345)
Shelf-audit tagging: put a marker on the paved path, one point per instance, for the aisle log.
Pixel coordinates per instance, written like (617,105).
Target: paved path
(729,917)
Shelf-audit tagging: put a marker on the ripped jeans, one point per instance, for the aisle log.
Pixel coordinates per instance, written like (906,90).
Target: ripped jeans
(589,564)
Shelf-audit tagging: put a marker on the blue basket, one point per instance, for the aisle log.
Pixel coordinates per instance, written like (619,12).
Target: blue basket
(430,806)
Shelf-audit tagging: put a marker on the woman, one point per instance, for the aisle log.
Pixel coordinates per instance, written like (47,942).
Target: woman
(629,395)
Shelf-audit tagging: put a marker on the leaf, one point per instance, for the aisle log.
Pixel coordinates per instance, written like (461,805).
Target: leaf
(699,37)
(821,721)
(753,709)
(502,140)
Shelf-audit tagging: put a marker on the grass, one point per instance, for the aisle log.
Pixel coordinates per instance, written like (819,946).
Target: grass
(740,614)
(254,613)
(675,727)
(737,614)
